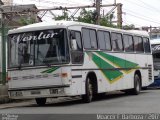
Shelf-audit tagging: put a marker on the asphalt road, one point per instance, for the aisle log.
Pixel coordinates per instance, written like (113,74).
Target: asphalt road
(147,101)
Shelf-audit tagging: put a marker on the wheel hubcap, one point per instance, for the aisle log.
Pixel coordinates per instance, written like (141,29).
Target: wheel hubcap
(90,91)
(138,89)
(137,84)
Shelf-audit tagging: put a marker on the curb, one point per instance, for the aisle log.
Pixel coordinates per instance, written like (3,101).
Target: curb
(18,104)
(4,98)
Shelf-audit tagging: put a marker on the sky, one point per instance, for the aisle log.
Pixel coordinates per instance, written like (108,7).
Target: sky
(137,12)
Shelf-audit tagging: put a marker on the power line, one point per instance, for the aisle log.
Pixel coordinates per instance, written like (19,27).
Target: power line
(141,15)
(142,18)
(157,10)
(144,7)
(58,3)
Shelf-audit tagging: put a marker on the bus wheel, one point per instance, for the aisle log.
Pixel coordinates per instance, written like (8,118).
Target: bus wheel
(144,88)
(87,98)
(41,101)
(137,85)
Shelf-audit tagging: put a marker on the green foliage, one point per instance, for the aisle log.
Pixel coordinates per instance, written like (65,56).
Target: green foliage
(105,21)
(129,27)
(24,21)
(90,16)
(63,17)
(86,16)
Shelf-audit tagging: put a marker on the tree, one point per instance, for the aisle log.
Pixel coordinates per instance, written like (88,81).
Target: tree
(129,27)
(90,16)
(24,21)
(63,17)
(107,21)
(86,16)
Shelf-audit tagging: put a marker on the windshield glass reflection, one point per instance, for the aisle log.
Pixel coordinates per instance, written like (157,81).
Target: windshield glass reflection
(38,48)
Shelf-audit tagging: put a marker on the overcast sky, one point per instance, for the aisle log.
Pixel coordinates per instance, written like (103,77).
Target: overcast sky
(137,12)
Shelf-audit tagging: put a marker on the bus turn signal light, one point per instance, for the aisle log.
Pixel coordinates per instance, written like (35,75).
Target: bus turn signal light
(64,75)
(8,78)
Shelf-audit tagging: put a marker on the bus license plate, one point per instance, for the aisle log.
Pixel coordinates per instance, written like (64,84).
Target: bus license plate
(35,92)
(54,91)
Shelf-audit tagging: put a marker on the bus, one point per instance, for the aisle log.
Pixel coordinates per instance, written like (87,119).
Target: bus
(67,58)
(155,44)
(0,61)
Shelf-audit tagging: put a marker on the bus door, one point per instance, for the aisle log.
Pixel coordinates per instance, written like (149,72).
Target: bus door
(130,62)
(77,61)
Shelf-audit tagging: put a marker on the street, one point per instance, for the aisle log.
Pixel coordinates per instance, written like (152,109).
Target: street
(146,102)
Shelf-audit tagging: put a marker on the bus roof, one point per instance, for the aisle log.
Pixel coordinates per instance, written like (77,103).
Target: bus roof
(65,24)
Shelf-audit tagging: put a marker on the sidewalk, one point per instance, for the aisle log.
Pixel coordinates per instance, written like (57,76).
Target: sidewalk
(17,104)
(32,102)
(4,94)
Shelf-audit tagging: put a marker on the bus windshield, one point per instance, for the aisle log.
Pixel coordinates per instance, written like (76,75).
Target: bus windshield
(38,48)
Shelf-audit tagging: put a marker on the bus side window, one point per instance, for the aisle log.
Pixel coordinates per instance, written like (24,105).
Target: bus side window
(146,44)
(93,39)
(101,40)
(138,44)
(107,40)
(128,43)
(76,40)
(76,46)
(104,40)
(89,38)
(117,44)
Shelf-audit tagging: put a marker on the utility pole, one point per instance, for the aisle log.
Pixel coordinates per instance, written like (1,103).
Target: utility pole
(119,15)
(98,5)
(3,49)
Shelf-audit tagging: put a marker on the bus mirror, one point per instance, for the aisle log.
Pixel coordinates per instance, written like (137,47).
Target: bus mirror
(74,44)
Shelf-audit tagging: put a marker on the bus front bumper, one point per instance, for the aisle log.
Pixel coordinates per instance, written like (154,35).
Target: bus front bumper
(37,92)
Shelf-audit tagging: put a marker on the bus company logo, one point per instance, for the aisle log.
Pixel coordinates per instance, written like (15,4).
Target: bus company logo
(156,48)
(23,37)
(9,117)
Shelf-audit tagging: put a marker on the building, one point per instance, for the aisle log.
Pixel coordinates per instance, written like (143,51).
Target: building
(155,33)
(20,15)
(7,2)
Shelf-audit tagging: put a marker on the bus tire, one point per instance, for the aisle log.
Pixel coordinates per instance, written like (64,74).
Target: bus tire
(41,101)
(87,98)
(137,85)
(144,88)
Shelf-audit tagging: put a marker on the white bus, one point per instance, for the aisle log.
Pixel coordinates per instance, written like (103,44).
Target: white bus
(155,44)
(66,58)
(0,60)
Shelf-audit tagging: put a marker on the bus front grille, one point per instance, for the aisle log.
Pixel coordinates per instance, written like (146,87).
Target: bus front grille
(150,72)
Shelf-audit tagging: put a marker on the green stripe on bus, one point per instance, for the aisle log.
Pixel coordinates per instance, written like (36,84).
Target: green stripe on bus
(50,70)
(122,63)
(110,74)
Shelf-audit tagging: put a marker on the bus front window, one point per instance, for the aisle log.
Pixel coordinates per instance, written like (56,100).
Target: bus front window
(38,48)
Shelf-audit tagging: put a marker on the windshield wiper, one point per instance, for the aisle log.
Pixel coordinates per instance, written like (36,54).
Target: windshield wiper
(19,67)
(20,62)
(42,61)
(47,64)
